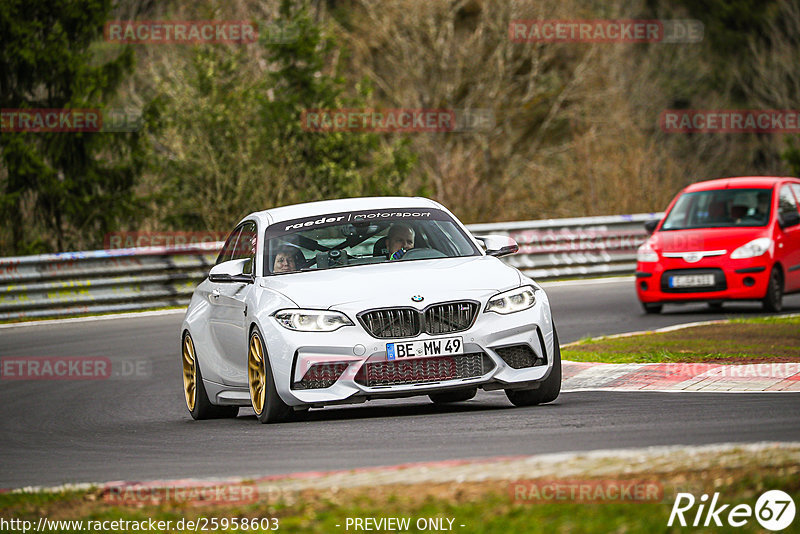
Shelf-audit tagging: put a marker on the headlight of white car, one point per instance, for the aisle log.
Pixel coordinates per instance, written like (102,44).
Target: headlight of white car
(754,248)
(312,320)
(646,254)
(518,299)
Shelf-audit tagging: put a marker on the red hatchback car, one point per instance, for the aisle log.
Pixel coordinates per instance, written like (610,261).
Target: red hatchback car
(726,239)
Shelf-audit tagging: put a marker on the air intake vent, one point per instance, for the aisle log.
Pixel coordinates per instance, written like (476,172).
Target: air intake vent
(321,375)
(520,356)
(423,370)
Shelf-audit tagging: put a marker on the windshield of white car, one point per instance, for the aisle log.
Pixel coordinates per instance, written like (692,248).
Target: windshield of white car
(720,208)
(368,237)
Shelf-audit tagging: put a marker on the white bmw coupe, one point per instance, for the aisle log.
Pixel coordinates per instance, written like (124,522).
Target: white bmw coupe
(343,301)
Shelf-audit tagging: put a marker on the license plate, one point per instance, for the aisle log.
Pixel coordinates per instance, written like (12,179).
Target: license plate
(691,280)
(420,349)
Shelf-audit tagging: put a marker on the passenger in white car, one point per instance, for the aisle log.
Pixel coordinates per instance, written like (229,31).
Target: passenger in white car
(288,259)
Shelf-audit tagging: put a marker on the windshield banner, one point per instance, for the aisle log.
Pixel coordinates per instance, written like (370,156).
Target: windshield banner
(353,217)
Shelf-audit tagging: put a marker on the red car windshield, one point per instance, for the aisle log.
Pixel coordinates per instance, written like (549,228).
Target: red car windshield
(720,208)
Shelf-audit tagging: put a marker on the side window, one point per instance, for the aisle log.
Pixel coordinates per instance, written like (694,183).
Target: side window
(230,244)
(786,201)
(680,212)
(796,189)
(246,245)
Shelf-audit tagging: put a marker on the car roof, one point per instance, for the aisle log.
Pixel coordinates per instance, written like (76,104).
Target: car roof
(323,207)
(739,182)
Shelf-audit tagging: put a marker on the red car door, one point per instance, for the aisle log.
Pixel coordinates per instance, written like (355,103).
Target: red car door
(788,240)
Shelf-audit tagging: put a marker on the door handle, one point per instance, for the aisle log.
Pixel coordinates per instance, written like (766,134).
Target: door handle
(215,294)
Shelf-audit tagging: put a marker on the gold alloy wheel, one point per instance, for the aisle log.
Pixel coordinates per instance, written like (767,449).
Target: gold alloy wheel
(256,372)
(189,372)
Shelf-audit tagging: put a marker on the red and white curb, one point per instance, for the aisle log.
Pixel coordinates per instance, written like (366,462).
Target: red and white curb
(704,377)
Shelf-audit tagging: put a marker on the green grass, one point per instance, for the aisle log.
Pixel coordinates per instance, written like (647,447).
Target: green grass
(736,341)
(481,507)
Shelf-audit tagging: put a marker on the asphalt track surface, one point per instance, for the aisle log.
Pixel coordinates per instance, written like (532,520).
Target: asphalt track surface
(54,432)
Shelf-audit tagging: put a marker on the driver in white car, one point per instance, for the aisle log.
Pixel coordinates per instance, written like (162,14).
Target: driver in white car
(399,240)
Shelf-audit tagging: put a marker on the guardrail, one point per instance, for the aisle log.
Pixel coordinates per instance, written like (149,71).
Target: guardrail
(576,247)
(101,281)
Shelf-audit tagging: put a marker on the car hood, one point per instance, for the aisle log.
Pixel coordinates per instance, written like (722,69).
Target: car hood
(705,239)
(393,284)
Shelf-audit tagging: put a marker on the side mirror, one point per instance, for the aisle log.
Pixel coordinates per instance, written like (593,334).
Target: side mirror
(231,271)
(787,219)
(650,226)
(498,245)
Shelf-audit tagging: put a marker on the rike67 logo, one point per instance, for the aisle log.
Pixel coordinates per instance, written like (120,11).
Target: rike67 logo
(774,510)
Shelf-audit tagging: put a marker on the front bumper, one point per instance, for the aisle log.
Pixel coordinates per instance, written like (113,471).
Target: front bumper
(346,353)
(745,279)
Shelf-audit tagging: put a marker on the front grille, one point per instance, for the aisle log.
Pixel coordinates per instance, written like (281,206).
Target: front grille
(423,370)
(391,323)
(450,317)
(446,318)
(720,284)
(321,375)
(520,356)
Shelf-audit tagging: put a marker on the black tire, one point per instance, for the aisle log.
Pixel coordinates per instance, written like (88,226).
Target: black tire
(273,410)
(773,299)
(652,307)
(202,407)
(548,390)
(458,395)
(716,305)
